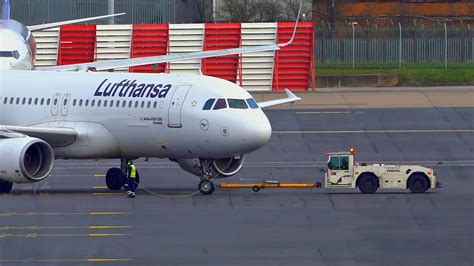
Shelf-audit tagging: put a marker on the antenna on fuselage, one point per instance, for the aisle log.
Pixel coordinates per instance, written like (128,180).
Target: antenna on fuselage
(6,10)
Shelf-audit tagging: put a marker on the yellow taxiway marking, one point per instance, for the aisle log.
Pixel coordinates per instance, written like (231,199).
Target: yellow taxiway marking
(58,235)
(323,113)
(8,228)
(64,260)
(107,193)
(5,214)
(99,187)
(99,175)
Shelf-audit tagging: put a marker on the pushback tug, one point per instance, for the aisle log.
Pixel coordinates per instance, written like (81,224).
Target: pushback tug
(343,172)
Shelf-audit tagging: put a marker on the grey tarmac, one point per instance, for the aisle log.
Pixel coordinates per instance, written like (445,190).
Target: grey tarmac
(71,219)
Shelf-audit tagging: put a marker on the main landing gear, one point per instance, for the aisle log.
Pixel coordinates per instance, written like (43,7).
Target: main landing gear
(5,186)
(116,178)
(206,186)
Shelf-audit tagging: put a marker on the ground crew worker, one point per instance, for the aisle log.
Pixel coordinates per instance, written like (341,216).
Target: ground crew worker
(131,178)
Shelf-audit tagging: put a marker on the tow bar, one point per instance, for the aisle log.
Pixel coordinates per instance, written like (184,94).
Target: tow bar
(270,184)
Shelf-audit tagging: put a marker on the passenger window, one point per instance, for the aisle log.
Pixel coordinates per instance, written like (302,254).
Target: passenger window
(48,102)
(42,101)
(237,104)
(30,100)
(5,100)
(87,103)
(252,103)
(36,101)
(220,104)
(92,103)
(208,104)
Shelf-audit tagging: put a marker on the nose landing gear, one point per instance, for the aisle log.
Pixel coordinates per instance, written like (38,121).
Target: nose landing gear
(206,187)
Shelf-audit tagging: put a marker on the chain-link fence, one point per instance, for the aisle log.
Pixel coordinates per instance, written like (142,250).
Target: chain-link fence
(394,47)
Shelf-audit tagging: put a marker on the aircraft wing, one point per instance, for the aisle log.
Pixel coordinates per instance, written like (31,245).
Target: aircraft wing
(54,136)
(121,63)
(68,22)
(291,98)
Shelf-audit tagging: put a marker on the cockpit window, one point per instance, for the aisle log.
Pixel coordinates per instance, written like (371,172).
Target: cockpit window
(220,104)
(252,103)
(13,54)
(208,104)
(237,104)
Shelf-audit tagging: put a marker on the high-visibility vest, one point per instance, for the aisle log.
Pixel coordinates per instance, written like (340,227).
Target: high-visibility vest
(133,171)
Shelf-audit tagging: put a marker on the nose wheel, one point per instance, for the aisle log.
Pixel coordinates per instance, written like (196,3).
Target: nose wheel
(206,187)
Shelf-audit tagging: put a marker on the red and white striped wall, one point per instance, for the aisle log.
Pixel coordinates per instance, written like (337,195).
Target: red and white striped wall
(291,67)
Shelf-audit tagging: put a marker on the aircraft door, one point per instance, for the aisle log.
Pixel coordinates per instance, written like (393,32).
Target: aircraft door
(176,106)
(55,104)
(65,104)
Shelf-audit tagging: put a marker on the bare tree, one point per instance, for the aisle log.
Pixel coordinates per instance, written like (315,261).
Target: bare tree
(239,10)
(204,10)
(292,7)
(269,10)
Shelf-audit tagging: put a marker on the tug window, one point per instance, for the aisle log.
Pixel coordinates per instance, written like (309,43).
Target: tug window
(237,104)
(220,104)
(338,163)
(208,104)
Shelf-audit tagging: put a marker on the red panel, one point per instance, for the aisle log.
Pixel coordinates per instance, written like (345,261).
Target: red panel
(222,36)
(76,44)
(149,40)
(293,63)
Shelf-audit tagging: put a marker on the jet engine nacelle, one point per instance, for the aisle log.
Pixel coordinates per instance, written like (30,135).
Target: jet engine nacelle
(220,168)
(25,160)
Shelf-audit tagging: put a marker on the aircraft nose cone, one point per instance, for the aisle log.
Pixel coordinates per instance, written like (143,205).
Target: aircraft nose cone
(260,132)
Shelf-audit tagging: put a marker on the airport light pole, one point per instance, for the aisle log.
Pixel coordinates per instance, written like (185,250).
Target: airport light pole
(353,44)
(400,48)
(445,46)
(111,11)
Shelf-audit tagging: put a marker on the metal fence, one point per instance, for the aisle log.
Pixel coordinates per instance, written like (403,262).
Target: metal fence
(394,46)
(32,12)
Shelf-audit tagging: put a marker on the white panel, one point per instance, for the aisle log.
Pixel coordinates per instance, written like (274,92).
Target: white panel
(113,42)
(257,68)
(46,47)
(186,38)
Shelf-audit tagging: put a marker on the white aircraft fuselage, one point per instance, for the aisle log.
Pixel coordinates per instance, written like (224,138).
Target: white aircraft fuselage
(17,46)
(118,115)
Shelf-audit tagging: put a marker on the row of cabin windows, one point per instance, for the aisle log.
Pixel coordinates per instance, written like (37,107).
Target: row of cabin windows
(117,103)
(81,102)
(231,103)
(29,101)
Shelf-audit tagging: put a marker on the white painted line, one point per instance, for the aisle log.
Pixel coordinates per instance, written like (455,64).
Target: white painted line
(322,113)
(375,131)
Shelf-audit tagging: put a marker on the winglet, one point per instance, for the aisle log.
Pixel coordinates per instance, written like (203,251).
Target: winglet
(291,98)
(294,29)
(6,10)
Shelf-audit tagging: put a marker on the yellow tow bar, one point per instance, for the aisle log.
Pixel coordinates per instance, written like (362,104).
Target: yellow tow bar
(269,184)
